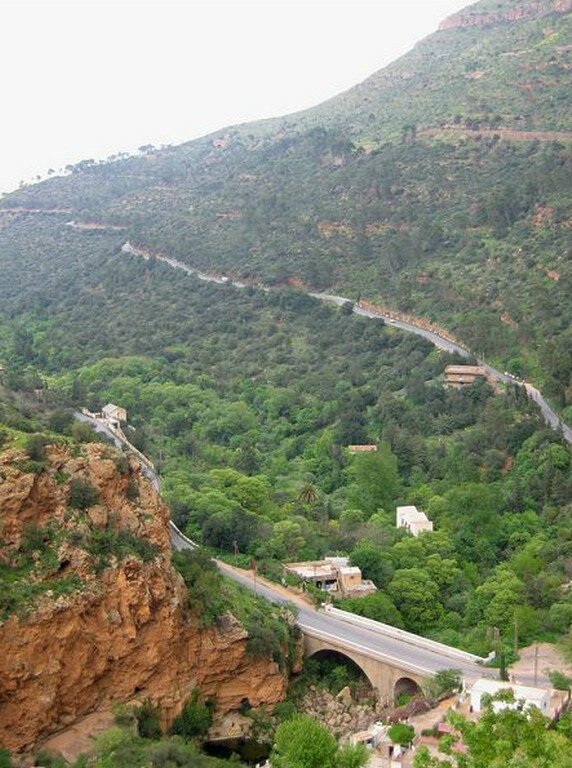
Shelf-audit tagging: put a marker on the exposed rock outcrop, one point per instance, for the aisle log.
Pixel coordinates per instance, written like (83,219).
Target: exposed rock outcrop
(340,713)
(534,9)
(125,631)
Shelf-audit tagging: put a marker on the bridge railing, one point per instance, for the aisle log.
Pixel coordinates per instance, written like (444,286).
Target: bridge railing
(406,637)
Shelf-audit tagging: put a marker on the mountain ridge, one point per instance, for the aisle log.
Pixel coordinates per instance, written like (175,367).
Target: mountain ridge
(480,17)
(437,186)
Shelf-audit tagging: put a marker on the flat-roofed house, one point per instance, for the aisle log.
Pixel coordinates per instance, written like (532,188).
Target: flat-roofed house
(525,696)
(462,375)
(333,574)
(413,520)
(362,448)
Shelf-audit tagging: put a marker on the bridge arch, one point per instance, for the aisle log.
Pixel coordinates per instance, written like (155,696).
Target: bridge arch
(406,685)
(344,657)
(383,674)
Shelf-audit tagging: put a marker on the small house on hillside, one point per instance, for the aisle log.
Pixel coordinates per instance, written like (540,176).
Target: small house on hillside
(362,448)
(114,415)
(412,520)
(458,376)
(333,574)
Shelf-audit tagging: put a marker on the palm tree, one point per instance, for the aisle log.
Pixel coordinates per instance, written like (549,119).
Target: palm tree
(308,494)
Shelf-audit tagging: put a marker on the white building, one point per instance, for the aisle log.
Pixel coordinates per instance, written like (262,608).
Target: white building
(524,696)
(333,574)
(413,520)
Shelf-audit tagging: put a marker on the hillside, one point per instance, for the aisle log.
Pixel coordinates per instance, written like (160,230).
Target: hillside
(92,611)
(440,185)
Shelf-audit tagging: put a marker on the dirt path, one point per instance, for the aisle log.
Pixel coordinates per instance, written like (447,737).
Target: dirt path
(80,737)
(549,659)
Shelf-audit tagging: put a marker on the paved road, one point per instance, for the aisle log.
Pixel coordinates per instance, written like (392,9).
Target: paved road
(406,654)
(550,416)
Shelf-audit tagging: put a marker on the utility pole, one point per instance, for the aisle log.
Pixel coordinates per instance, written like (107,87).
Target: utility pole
(515,647)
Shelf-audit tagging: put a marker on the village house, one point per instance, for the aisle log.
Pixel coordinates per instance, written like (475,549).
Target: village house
(525,697)
(362,448)
(334,575)
(413,520)
(458,376)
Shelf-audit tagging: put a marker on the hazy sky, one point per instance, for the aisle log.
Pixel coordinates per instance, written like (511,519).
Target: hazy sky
(88,78)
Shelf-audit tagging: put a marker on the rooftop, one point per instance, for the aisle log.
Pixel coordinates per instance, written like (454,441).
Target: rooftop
(485,685)
(471,370)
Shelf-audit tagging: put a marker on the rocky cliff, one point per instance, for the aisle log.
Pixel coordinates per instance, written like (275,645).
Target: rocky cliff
(534,9)
(99,615)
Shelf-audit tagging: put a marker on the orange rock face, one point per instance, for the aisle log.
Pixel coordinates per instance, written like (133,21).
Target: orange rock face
(531,9)
(126,633)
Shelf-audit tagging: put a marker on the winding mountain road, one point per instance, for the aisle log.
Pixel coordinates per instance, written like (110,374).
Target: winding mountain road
(388,645)
(550,416)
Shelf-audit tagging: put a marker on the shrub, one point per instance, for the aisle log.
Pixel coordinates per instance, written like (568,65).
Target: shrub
(147,716)
(403,698)
(35,447)
(123,715)
(82,493)
(132,492)
(401,734)
(443,682)
(61,421)
(122,464)
(5,759)
(48,759)
(203,582)
(83,433)
(559,680)
(284,710)
(35,538)
(195,719)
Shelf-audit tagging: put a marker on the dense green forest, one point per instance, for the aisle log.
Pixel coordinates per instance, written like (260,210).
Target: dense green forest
(440,185)
(247,400)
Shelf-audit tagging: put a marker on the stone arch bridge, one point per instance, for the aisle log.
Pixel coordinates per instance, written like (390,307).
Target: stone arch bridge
(387,678)
(393,660)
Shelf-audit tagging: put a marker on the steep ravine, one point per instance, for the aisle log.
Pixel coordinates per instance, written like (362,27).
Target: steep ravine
(125,632)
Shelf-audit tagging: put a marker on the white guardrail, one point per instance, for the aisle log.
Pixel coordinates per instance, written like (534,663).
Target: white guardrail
(406,637)
(182,536)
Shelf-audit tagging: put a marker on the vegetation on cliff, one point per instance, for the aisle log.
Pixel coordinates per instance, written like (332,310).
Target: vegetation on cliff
(57,531)
(90,602)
